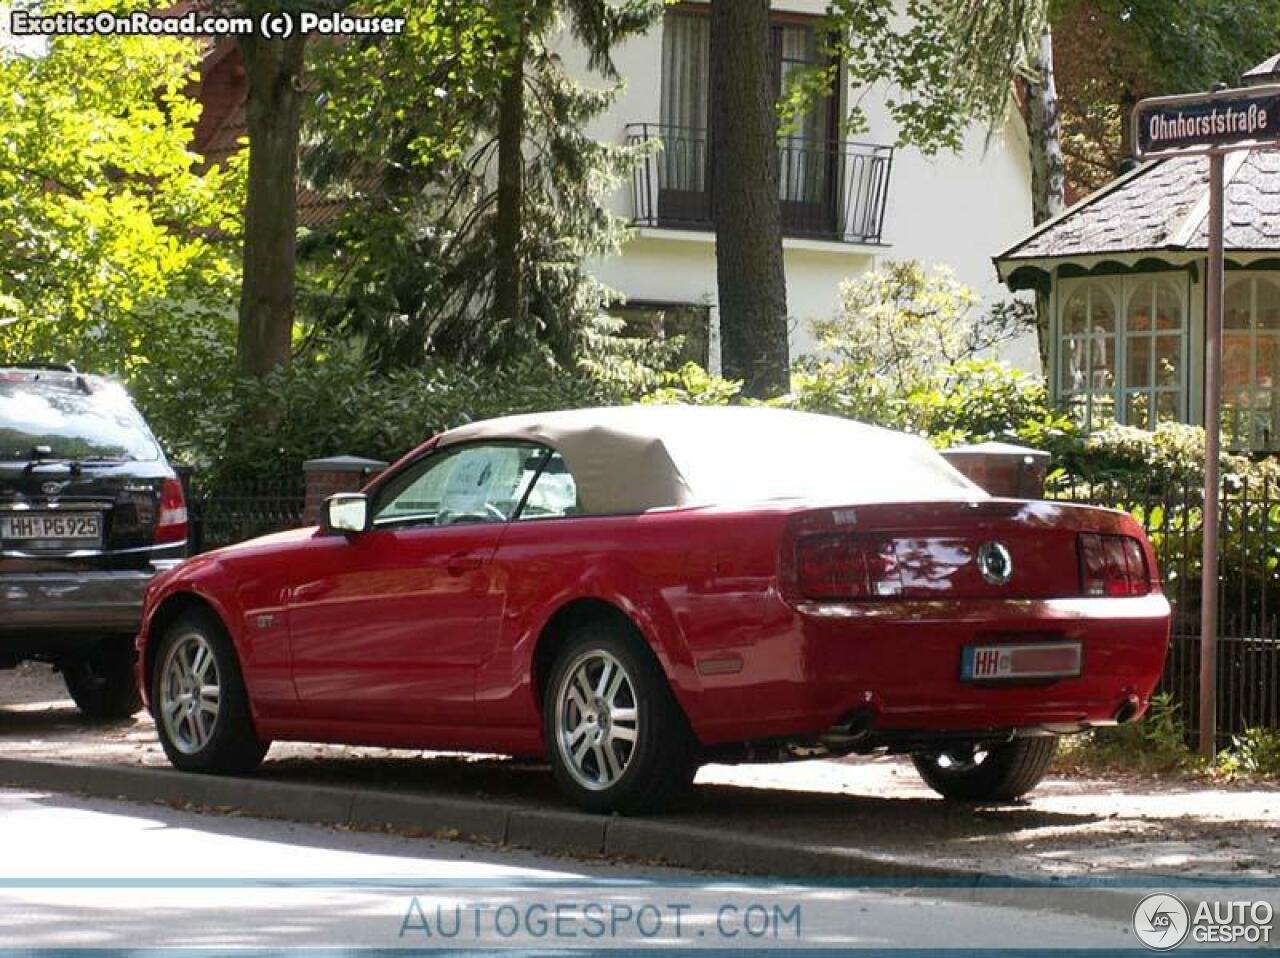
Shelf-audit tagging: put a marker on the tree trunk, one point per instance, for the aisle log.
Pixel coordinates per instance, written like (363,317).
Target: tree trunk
(509,298)
(1048,168)
(272,113)
(750,273)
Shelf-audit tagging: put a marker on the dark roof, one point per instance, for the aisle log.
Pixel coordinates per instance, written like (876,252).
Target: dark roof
(1164,206)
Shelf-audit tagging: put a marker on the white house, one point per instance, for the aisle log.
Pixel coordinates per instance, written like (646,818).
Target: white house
(846,204)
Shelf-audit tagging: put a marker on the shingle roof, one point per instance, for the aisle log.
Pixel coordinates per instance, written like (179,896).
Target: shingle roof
(1163,206)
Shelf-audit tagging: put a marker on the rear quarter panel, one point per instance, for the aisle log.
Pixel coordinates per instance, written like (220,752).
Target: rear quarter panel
(696,583)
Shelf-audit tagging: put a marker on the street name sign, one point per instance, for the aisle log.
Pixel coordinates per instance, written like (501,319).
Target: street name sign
(1210,124)
(1204,122)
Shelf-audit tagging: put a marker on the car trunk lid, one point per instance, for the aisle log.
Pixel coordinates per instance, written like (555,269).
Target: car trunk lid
(983,549)
(56,516)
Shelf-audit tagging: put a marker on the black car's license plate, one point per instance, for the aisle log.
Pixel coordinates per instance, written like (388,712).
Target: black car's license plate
(36,528)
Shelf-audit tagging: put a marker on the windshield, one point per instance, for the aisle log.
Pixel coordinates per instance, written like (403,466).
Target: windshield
(52,411)
(812,457)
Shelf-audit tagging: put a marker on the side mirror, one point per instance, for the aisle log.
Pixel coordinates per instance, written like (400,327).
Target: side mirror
(345,512)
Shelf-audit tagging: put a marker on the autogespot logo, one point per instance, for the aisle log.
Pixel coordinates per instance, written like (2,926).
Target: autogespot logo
(1161,921)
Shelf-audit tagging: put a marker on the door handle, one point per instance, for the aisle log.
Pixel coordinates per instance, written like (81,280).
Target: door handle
(462,562)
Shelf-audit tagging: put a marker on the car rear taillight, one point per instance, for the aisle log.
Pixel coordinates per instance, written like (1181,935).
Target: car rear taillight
(171,524)
(840,566)
(1112,566)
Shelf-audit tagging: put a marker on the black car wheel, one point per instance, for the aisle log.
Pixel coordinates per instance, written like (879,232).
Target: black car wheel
(988,773)
(199,700)
(616,737)
(101,681)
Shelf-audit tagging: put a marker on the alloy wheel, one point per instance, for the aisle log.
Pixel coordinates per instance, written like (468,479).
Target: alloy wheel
(190,693)
(597,719)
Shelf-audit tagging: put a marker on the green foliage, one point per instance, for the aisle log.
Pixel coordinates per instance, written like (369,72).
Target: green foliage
(902,322)
(1156,743)
(906,49)
(116,250)
(1168,459)
(405,135)
(904,353)
(1111,53)
(1255,751)
(333,402)
(691,385)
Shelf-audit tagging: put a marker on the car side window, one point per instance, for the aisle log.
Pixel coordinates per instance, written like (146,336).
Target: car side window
(554,494)
(480,483)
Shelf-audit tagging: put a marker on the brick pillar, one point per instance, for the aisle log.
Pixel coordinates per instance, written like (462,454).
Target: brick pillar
(324,477)
(1001,469)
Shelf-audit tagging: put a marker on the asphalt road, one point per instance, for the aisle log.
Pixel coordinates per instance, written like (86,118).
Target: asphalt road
(89,873)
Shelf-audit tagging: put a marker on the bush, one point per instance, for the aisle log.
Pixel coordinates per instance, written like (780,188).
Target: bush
(333,403)
(1169,458)
(1158,742)
(1255,751)
(973,400)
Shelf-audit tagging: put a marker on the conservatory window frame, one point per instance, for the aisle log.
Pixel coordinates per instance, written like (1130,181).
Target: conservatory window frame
(1119,288)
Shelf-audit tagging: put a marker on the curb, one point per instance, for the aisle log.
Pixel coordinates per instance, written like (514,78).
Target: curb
(652,841)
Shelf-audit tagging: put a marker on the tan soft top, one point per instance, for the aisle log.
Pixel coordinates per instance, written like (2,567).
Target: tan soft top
(631,459)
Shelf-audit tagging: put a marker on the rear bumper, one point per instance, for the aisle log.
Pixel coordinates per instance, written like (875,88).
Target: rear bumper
(895,669)
(1124,644)
(32,604)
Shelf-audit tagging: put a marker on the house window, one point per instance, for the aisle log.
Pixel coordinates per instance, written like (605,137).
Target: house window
(686,51)
(808,155)
(1122,350)
(1251,363)
(651,322)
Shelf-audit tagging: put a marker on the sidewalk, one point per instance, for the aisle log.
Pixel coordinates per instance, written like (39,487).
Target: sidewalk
(867,817)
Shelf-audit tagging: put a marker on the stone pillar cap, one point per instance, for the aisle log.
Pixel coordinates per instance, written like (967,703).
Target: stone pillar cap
(343,464)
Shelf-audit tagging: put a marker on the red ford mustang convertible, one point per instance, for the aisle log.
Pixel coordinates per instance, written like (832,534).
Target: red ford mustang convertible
(632,592)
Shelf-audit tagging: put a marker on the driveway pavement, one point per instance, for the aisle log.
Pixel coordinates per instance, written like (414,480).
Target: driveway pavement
(1070,828)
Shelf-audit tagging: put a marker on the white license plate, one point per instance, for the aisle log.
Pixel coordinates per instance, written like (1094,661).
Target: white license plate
(53,527)
(1041,660)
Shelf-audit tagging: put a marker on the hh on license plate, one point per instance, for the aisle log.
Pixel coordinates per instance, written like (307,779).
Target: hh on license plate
(60,526)
(1039,661)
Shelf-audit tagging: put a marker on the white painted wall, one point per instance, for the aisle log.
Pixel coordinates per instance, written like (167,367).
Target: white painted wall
(957,209)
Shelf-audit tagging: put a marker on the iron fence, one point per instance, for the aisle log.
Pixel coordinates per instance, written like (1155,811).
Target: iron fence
(223,514)
(1172,513)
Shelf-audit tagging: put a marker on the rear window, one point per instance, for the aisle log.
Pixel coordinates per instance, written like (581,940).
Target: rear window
(96,421)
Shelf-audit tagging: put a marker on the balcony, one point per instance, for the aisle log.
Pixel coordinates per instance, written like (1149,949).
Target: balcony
(830,190)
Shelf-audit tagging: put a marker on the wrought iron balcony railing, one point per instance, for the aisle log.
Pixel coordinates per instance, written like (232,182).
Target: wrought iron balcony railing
(830,190)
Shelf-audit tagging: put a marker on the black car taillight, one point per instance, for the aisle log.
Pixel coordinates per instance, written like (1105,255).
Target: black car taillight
(1112,566)
(171,523)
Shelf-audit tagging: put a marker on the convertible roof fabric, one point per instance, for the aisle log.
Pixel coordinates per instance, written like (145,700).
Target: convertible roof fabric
(631,459)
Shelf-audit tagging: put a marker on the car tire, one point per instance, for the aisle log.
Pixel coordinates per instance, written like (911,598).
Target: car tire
(992,773)
(199,702)
(617,742)
(101,682)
